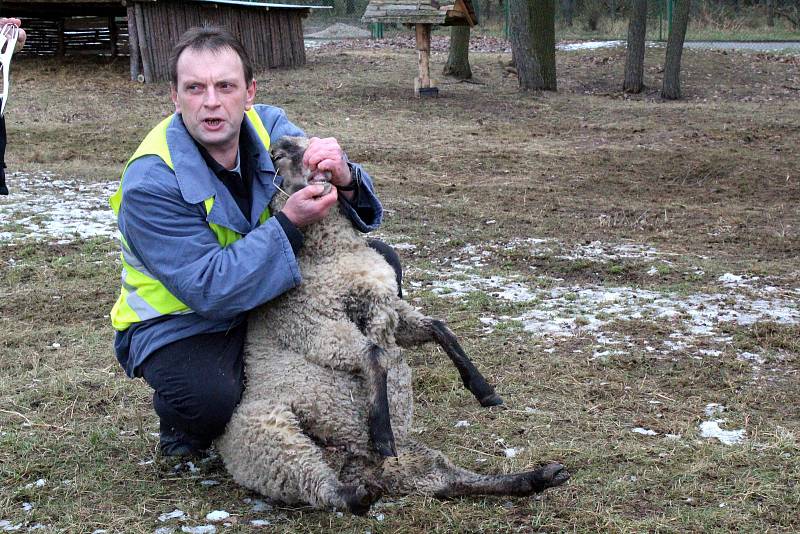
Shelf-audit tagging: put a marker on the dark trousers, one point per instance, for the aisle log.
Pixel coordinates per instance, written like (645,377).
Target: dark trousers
(199,380)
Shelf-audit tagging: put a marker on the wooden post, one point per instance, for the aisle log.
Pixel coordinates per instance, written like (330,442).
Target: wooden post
(133,45)
(422,84)
(61,46)
(143,46)
(113,32)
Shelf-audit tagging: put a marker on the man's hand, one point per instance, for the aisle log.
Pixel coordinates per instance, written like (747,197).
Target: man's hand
(326,155)
(16,22)
(306,206)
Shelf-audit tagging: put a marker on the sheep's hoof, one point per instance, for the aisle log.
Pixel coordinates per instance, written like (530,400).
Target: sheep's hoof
(385,447)
(547,476)
(491,400)
(359,499)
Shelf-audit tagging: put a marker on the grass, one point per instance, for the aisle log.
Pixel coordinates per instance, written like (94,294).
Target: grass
(711,180)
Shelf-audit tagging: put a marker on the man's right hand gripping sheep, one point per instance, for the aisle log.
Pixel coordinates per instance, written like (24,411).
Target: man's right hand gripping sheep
(199,245)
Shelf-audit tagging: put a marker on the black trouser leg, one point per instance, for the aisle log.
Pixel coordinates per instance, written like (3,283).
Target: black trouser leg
(198,382)
(391,257)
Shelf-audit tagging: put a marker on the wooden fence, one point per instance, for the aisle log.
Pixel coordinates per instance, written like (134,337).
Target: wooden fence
(107,36)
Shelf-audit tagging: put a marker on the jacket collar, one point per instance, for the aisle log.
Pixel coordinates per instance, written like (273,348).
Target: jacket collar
(197,182)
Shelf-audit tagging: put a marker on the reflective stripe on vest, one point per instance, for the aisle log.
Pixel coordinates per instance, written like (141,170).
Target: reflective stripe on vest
(142,296)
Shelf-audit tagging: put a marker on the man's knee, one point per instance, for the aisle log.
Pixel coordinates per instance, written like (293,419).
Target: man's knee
(214,408)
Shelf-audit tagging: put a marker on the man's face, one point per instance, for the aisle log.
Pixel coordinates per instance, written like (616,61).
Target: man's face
(212,96)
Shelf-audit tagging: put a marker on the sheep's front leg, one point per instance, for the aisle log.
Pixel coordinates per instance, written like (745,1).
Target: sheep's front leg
(415,328)
(264,448)
(340,345)
(419,469)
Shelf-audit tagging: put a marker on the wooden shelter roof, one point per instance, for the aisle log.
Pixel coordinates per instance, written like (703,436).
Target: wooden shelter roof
(459,13)
(62,8)
(75,8)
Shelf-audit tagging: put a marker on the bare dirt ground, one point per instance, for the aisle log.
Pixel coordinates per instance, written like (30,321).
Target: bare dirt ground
(623,268)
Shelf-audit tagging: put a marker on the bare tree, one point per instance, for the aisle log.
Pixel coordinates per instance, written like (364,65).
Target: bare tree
(457,64)
(568,11)
(533,43)
(671,89)
(634,63)
(770,13)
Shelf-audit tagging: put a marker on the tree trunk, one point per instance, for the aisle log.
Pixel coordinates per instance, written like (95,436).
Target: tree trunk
(770,13)
(634,63)
(568,11)
(350,7)
(458,59)
(671,89)
(533,41)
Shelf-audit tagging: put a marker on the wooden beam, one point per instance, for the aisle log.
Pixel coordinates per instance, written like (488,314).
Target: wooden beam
(144,48)
(422,84)
(133,45)
(113,31)
(61,47)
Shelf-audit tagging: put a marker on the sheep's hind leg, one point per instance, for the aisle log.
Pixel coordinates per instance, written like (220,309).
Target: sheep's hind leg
(415,328)
(265,449)
(419,469)
(333,346)
(380,424)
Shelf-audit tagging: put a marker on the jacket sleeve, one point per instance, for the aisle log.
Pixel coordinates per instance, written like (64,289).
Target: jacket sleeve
(367,213)
(175,243)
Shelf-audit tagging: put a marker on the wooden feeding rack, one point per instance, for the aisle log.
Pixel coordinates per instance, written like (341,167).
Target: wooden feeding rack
(422,14)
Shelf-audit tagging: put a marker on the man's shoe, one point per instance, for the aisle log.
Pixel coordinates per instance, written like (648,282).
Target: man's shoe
(176,445)
(3,188)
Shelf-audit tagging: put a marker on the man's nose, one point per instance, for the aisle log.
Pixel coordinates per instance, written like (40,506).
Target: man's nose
(211,99)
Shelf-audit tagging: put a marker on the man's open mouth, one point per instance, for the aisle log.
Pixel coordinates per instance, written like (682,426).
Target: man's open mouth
(213,122)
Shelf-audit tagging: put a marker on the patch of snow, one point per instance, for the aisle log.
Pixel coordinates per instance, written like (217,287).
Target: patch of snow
(208,483)
(461,424)
(8,527)
(217,515)
(589,45)
(202,529)
(644,431)
(38,484)
(42,206)
(27,507)
(512,452)
(263,522)
(175,514)
(340,31)
(751,357)
(711,429)
(729,279)
(712,409)
(164,530)
(260,506)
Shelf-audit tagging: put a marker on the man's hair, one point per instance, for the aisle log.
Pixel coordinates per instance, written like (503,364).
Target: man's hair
(213,38)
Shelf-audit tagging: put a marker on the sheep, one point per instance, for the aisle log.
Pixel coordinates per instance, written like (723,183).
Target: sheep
(325,417)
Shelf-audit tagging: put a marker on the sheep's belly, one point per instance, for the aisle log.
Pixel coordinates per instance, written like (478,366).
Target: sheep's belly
(331,405)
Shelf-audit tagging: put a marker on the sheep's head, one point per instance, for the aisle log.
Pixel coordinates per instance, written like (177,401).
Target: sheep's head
(287,155)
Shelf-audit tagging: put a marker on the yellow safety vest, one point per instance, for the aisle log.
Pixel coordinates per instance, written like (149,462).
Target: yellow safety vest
(143,297)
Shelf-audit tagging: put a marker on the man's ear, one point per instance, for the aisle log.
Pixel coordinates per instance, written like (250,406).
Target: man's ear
(251,95)
(173,93)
